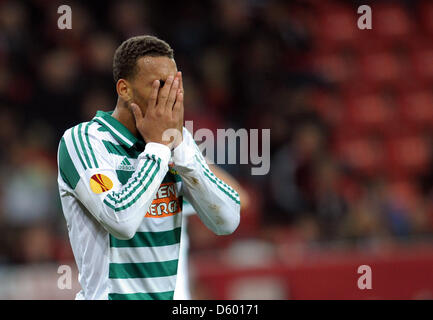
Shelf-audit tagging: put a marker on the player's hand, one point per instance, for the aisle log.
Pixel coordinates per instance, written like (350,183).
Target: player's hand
(178,108)
(164,112)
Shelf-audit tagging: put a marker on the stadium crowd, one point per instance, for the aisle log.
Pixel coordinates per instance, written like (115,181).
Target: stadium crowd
(350,111)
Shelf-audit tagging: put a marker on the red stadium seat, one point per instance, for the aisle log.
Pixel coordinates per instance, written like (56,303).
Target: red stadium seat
(336,24)
(381,68)
(422,61)
(391,22)
(417,108)
(407,155)
(369,112)
(361,154)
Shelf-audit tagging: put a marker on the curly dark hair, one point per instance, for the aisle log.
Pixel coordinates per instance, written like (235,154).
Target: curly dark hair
(127,54)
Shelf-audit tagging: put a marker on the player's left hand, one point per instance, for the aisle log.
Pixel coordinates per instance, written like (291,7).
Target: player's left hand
(178,111)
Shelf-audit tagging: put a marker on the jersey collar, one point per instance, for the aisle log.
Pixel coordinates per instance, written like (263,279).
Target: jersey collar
(117,129)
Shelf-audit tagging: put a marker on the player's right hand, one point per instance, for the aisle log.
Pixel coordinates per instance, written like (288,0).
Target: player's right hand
(162,116)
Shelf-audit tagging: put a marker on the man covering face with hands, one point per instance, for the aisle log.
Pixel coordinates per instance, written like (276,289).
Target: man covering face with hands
(122,179)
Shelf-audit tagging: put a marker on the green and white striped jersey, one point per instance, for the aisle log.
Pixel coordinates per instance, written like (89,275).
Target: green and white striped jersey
(122,200)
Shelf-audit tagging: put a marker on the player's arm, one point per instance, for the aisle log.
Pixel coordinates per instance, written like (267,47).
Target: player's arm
(119,208)
(232,182)
(188,210)
(216,203)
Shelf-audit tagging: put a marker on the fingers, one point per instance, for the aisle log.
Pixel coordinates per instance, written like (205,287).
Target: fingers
(172,95)
(136,111)
(178,117)
(164,92)
(154,94)
(180,81)
(178,106)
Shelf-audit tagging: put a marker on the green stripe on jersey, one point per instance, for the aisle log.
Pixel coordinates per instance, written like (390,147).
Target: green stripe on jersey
(120,150)
(148,239)
(168,295)
(173,177)
(124,176)
(143,270)
(66,167)
(86,133)
(80,138)
(221,188)
(76,147)
(128,190)
(102,128)
(137,182)
(138,185)
(232,194)
(216,179)
(117,130)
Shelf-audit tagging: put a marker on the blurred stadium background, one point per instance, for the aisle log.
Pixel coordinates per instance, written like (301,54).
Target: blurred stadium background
(351,119)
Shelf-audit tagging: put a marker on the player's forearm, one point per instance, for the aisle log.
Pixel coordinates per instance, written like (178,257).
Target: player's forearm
(217,204)
(125,208)
(219,211)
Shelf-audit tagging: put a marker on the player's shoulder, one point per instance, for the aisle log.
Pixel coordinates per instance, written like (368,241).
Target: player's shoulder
(83,143)
(89,131)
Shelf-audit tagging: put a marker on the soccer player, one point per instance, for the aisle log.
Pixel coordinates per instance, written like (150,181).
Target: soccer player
(122,179)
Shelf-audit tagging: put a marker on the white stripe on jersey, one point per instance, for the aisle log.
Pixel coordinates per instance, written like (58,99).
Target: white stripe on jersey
(144,254)
(145,285)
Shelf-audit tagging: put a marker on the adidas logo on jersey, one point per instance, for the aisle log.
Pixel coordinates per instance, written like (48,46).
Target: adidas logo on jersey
(125,165)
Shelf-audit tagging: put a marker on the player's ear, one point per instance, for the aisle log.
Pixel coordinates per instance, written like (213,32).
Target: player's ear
(124,90)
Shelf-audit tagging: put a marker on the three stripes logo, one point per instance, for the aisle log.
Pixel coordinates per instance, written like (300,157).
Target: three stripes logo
(125,165)
(100,183)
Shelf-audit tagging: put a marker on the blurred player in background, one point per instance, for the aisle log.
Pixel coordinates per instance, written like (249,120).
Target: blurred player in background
(122,180)
(183,280)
